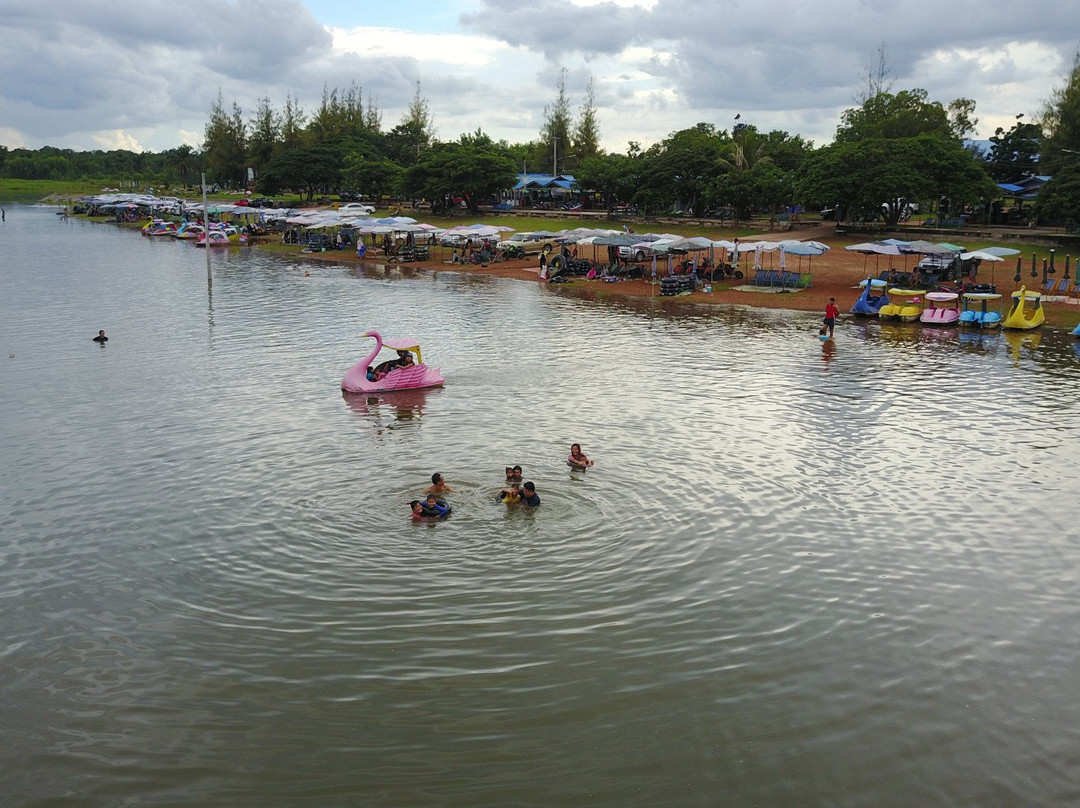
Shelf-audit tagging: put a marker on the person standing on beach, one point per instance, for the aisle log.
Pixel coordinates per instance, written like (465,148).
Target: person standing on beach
(832,311)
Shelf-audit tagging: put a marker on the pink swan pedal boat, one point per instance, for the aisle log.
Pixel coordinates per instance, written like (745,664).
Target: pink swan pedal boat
(407,377)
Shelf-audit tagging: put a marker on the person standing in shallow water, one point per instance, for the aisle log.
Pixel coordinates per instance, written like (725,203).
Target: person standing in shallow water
(529,496)
(101,337)
(832,311)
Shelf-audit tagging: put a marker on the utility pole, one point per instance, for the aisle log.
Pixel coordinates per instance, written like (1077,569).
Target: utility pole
(206,233)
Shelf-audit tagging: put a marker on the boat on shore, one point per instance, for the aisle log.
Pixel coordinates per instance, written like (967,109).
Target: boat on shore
(1026,312)
(189,230)
(214,238)
(981,310)
(907,309)
(942,309)
(159,227)
(874,295)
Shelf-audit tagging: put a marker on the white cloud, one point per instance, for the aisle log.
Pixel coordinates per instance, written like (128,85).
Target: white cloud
(117,139)
(458,50)
(75,71)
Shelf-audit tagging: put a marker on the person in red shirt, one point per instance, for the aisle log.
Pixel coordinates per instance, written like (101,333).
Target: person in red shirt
(831,313)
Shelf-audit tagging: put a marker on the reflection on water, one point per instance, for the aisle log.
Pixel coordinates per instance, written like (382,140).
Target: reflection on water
(800,573)
(388,410)
(1023,344)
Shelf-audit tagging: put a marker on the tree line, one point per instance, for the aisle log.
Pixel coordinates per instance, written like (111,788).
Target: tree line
(891,149)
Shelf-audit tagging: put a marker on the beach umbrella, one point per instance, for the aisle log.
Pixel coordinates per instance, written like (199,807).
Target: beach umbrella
(1019,268)
(1002,251)
(1034,272)
(925,248)
(980,256)
(811,248)
(874,248)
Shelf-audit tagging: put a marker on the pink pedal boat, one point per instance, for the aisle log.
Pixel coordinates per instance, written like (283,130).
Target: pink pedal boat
(943,309)
(396,374)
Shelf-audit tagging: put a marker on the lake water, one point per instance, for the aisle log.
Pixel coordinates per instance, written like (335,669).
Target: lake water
(798,574)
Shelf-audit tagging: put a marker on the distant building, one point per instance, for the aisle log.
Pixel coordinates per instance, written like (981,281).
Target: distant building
(1025,190)
(542,190)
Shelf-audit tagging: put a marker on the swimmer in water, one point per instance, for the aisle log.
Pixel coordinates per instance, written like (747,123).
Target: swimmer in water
(529,496)
(577,459)
(511,495)
(438,485)
(435,507)
(513,474)
(101,337)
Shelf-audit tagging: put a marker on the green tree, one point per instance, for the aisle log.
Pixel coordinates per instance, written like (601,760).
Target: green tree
(586,136)
(888,117)
(1059,200)
(555,133)
(1061,123)
(893,150)
(415,133)
(183,162)
(311,170)
(614,176)
(372,177)
(338,115)
(224,147)
(293,125)
(472,167)
(265,129)
(1014,154)
(677,170)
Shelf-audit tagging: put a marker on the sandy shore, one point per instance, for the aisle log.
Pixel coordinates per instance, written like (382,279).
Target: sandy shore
(836,274)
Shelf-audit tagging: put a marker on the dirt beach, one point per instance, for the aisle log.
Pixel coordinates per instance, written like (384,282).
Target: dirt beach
(836,274)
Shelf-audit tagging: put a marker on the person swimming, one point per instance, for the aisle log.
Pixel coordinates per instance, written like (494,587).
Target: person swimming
(511,495)
(101,337)
(576,459)
(438,485)
(431,508)
(513,473)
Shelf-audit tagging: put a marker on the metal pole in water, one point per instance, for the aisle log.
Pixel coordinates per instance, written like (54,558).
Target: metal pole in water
(206,232)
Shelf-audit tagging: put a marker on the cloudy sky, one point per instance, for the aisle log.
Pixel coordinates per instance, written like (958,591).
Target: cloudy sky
(89,74)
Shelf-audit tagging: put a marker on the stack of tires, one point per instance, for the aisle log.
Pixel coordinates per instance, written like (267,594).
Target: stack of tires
(677,285)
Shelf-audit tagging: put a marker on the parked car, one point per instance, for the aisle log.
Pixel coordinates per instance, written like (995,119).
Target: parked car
(635,254)
(528,243)
(356,207)
(462,240)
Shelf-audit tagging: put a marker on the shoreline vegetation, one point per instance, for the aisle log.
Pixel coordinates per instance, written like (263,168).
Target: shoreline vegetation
(836,273)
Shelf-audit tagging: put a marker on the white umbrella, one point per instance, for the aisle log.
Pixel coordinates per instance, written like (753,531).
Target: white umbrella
(984,255)
(981,255)
(874,248)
